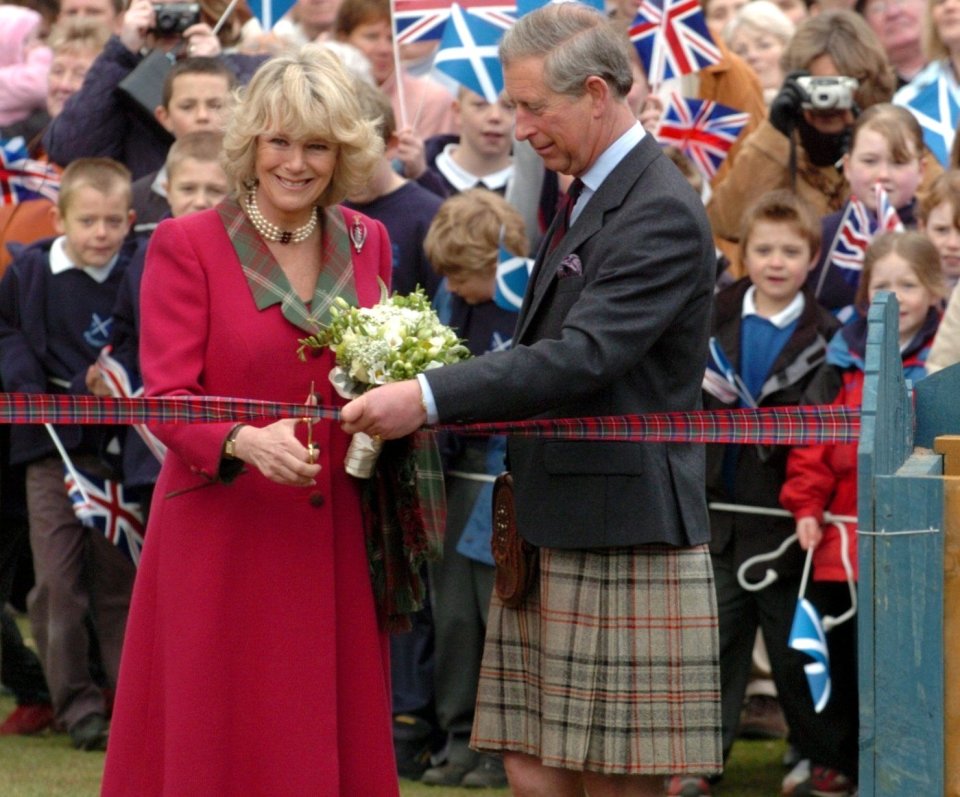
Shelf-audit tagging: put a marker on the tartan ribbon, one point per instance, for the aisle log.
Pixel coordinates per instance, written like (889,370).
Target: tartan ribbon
(806,425)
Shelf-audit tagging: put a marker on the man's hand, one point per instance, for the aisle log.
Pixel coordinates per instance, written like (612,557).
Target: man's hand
(137,21)
(388,411)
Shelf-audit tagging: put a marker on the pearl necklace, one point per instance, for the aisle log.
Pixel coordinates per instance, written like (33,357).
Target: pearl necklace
(272,232)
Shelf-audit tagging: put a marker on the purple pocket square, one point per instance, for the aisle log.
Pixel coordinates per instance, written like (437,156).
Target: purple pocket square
(570,266)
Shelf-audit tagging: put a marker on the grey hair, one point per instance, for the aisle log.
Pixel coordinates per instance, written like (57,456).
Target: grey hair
(761,15)
(576,42)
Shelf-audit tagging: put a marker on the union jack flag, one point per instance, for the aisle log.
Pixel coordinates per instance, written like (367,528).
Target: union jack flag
(22,178)
(419,20)
(672,39)
(102,504)
(887,218)
(702,129)
(117,379)
(851,241)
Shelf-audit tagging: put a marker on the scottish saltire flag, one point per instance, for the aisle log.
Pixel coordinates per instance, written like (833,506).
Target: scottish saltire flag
(513,273)
(807,636)
(524,7)
(102,504)
(702,129)
(419,20)
(269,11)
(938,111)
(888,220)
(468,53)
(672,39)
(23,178)
(722,381)
(118,381)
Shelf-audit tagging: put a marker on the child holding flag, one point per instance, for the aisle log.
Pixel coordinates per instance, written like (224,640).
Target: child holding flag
(767,341)
(886,151)
(78,573)
(823,478)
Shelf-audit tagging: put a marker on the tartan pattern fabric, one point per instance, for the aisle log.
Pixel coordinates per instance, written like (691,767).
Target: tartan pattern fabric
(793,426)
(611,665)
(806,425)
(269,285)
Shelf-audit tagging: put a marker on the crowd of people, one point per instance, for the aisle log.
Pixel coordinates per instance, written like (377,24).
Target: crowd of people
(223,187)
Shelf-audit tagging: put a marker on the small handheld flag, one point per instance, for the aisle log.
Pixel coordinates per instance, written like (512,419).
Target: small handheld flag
(702,129)
(672,39)
(938,112)
(513,273)
(887,218)
(468,53)
(422,20)
(102,504)
(23,178)
(807,636)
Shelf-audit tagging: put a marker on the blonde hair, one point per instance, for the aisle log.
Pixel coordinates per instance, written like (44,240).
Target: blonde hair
(946,188)
(782,207)
(201,145)
(78,34)
(916,249)
(306,94)
(465,235)
(898,127)
(104,175)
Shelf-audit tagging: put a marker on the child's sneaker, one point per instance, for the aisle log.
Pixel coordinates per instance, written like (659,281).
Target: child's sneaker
(826,782)
(687,786)
(799,774)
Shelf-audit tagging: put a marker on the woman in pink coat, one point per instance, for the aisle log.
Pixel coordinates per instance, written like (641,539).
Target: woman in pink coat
(254,663)
(24,64)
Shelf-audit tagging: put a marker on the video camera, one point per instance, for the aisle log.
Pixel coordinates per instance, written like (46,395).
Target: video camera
(828,93)
(174,18)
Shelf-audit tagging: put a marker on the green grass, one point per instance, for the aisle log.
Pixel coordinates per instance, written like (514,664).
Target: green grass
(47,766)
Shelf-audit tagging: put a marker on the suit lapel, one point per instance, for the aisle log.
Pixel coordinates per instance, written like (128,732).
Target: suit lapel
(609,195)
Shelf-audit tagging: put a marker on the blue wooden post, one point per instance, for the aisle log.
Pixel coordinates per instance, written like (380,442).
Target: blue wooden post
(900,645)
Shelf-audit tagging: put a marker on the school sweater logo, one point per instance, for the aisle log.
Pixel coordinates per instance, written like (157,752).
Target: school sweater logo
(98,333)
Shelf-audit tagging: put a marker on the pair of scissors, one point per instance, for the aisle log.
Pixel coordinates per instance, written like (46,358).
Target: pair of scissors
(313,450)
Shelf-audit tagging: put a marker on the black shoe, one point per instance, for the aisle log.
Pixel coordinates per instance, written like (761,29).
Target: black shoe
(488,774)
(90,733)
(461,761)
(411,742)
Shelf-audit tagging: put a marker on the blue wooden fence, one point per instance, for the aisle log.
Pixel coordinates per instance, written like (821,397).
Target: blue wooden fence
(901,558)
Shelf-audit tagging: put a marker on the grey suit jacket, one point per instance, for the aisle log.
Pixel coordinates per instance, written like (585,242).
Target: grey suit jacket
(629,335)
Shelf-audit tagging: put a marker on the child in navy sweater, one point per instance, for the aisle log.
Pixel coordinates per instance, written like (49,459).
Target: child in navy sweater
(56,301)
(768,339)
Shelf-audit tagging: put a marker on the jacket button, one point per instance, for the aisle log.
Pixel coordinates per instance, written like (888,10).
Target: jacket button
(317,499)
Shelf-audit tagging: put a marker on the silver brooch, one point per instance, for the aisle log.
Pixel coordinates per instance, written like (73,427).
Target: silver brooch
(358,234)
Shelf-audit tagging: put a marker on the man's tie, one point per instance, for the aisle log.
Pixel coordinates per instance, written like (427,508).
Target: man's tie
(566,208)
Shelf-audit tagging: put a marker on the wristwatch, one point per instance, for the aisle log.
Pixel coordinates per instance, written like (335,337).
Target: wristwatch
(230,444)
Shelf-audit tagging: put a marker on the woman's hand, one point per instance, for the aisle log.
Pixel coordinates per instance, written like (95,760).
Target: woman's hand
(809,532)
(276,452)
(137,22)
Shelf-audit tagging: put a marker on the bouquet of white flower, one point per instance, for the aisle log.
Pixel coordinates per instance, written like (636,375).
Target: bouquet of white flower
(396,339)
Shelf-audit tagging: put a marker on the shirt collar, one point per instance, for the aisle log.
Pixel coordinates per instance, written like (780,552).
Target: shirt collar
(60,261)
(602,167)
(784,318)
(159,184)
(463,180)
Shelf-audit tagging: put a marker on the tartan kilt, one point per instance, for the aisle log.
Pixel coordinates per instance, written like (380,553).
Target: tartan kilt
(611,665)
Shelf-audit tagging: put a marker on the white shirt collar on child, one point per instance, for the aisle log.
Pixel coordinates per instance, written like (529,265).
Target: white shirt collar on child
(786,316)
(60,261)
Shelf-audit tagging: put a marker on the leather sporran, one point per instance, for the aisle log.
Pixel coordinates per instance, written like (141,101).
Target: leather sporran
(514,557)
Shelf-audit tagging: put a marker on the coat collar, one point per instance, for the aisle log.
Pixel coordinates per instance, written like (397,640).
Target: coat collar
(269,285)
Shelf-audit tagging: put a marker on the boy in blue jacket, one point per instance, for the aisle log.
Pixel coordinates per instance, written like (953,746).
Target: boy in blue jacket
(56,301)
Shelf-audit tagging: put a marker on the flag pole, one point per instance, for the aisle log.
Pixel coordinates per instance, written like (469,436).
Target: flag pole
(397,74)
(68,463)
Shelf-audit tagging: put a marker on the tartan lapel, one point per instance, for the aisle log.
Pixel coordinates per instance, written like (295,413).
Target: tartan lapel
(269,285)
